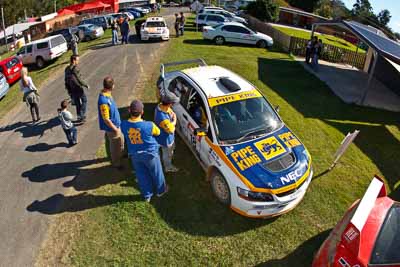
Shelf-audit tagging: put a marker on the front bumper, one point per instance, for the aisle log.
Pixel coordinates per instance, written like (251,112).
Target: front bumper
(279,206)
(154,36)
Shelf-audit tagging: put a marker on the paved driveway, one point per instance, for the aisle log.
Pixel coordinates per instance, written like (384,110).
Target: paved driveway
(34,162)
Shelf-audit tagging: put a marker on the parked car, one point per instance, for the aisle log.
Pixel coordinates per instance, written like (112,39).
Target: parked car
(142,10)
(4,86)
(368,234)
(138,27)
(233,32)
(255,163)
(119,15)
(210,8)
(229,15)
(11,69)
(67,34)
(136,14)
(44,50)
(154,28)
(101,21)
(91,31)
(209,20)
(130,16)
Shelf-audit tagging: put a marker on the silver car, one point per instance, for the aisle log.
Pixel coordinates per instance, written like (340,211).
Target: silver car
(91,31)
(4,87)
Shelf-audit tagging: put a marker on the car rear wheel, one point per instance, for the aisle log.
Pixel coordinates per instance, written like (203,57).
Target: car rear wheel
(219,40)
(220,188)
(262,44)
(40,62)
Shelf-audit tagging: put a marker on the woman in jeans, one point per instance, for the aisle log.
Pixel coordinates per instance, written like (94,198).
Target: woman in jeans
(31,96)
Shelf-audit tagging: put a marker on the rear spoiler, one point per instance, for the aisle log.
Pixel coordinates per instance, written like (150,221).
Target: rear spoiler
(376,189)
(198,61)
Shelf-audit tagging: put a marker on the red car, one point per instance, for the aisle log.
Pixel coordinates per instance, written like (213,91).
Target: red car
(11,68)
(368,234)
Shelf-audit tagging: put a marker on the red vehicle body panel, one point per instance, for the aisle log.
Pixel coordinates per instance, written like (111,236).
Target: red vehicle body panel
(346,246)
(12,74)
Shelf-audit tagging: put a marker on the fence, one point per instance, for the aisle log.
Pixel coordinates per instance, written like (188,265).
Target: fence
(297,46)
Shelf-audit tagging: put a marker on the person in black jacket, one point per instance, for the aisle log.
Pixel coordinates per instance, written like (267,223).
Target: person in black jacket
(75,87)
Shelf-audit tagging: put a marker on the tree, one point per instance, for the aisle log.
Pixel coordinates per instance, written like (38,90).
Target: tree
(397,35)
(306,5)
(362,8)
(265,10)
(384,17)
(339,10)
(324,8)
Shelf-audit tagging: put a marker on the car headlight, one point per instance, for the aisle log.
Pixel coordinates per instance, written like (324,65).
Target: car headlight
(254,196)
(145,32)
(164,31)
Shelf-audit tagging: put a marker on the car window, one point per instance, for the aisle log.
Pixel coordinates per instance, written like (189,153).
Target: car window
(42,45)
(197,109)
(29,49)
(201,17)
(228,28)
(216,26)
(181,89)
(214,18)
(12,63)
(244,118)
(152,24)
(57,41)
(239,29)
(387,245)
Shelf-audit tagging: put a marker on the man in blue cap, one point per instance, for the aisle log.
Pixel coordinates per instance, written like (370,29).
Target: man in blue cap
(165,119)
(144,151)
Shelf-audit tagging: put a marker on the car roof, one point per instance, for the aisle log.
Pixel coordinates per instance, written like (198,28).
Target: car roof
(44,39)
(206,77)
(233,24)
(86,25)
(155,19)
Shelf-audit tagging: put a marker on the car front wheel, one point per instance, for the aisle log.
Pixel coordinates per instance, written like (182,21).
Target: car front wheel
(40,62)
(220,188)
(262,44)
(219,40)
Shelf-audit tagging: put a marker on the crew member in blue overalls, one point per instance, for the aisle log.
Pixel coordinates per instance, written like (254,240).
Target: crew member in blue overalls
(165,119)
(143,148)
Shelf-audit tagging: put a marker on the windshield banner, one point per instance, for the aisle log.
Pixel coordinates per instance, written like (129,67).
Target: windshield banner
(215,101)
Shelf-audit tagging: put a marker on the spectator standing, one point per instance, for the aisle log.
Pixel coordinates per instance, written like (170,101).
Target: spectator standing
(165,119)
(114,28)
(125,31)
(74,44)
(182,24)
(110,122)
(75,86)
(144,151)
(177,24)
(308,50)
(31,96)
(67,125)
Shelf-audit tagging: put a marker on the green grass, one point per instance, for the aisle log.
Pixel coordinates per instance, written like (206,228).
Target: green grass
(189,227)
(326,38)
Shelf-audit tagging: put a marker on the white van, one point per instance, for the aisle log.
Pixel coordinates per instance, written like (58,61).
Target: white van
(43,50)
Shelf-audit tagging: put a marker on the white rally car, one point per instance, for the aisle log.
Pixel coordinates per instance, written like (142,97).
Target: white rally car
(154,28)
(255,163)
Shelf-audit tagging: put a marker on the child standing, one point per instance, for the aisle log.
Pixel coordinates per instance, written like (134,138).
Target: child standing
(68,126)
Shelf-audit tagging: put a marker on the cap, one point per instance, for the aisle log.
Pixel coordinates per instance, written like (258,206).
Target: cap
(136,106)
(169,98)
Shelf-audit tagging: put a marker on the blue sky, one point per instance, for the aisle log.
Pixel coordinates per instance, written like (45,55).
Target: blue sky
(392,5)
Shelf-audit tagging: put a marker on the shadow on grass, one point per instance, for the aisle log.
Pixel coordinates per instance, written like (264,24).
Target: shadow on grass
(375,140)
(303,255)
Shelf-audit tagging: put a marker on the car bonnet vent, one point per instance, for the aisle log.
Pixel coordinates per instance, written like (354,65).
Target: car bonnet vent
(229,84)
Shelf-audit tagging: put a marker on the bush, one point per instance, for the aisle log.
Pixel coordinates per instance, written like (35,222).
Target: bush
(265,10)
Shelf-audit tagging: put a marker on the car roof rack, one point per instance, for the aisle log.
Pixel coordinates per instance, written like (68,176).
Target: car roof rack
(198,61)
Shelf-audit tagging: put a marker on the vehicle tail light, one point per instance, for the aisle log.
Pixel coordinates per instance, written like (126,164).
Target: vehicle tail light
(50,53)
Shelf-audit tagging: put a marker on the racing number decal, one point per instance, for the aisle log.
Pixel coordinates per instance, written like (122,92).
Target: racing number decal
(270,147)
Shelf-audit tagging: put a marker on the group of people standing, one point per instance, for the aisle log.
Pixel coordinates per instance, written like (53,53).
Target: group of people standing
(313,51)
(142,138)
(121,24)
(179,24)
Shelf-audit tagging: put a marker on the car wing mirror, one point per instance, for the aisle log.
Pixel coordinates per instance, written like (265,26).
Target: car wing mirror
(200,132)
(277,109)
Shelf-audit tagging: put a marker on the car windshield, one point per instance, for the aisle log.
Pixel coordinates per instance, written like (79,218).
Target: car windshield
(12,63)
(240,120)
(387,245)
(153,24)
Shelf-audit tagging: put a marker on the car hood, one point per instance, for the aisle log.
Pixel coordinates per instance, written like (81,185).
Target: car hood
(270,162)
(264,36)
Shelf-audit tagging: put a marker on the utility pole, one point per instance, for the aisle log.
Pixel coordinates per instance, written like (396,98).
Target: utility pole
(25,14)
(55,6)
(4,28)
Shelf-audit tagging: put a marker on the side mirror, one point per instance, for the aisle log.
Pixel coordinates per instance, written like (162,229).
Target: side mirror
(200,132)
(277,109)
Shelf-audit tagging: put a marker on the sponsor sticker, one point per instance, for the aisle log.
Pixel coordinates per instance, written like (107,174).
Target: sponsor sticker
(270,147)
(215,101)
(245,158)
(289,139)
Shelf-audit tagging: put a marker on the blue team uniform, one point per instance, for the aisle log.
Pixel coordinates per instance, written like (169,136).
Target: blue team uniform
(163,119)
(108,109)
(143,147)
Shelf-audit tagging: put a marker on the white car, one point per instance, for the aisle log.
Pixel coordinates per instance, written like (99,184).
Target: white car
(129,15)
(40,51)
(234,32)
(154,28)
(230,16)
(209,20)
(255,163)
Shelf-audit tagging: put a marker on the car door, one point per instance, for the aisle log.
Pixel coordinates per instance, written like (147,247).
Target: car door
(213,20)
(229,33)
(29,58)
